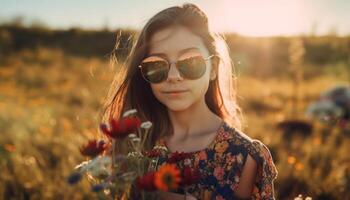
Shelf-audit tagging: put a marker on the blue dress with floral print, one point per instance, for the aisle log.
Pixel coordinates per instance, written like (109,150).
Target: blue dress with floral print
(221,165)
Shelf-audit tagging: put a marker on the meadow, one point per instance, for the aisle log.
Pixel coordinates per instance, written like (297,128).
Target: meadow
(51,101)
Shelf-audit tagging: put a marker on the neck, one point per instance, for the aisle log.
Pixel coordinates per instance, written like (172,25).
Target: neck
(195,120)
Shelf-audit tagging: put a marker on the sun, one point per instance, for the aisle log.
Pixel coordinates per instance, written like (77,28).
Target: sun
(258,18)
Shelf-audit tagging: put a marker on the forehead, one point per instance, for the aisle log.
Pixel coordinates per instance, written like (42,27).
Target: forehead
(172,41)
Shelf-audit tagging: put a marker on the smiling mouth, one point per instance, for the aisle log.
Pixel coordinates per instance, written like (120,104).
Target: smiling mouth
(175,92)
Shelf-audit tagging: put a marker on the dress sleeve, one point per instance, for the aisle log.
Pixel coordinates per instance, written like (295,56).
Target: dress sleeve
(267,171)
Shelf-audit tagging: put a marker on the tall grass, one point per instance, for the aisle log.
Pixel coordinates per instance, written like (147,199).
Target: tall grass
(50,104)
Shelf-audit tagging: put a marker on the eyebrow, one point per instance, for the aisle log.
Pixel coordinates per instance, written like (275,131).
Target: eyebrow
(180,52)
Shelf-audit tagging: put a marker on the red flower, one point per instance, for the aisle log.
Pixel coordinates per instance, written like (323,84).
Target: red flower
(189,176)
(178,156)
(146,182)
(121,128)
(152,153)
(93,148)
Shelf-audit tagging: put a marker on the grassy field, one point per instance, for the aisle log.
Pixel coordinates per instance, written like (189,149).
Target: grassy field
(50,104)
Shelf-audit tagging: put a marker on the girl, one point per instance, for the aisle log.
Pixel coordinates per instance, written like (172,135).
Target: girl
(178,76)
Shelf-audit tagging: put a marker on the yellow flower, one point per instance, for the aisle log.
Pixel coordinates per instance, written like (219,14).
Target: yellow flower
(167,177)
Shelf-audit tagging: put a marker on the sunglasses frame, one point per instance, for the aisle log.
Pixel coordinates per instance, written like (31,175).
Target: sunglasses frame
(169,64)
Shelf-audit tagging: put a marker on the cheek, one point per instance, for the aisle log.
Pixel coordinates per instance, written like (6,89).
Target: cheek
(200,86)
(198,90)
(156,90)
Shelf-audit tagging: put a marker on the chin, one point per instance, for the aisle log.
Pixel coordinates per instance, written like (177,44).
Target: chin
(176,107)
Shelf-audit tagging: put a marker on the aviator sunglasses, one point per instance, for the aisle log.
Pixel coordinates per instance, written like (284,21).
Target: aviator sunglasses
(154,69)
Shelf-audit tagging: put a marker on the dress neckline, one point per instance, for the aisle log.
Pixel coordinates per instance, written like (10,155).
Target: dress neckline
(211,144)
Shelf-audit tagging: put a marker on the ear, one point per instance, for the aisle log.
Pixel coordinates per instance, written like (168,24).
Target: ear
(214,68)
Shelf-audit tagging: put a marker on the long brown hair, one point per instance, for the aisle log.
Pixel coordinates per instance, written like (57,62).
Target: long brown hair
(130,91)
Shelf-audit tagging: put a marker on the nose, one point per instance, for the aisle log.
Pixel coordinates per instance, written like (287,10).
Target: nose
(174,74)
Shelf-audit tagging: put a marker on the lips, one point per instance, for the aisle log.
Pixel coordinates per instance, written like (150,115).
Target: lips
(174,91)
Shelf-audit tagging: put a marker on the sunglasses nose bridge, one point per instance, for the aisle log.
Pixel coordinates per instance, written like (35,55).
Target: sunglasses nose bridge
(173,73)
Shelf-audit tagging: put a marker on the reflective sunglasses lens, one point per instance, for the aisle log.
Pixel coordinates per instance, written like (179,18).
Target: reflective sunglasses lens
(155,71)
(192,68)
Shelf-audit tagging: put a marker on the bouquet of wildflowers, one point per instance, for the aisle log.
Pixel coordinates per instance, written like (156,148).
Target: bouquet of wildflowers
(134,174)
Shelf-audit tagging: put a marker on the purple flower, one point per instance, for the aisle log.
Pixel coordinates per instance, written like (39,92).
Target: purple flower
(74,178)
(98,187)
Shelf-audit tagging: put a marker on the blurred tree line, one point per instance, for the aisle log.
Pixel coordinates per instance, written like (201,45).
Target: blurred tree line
(256,55)
(74,41)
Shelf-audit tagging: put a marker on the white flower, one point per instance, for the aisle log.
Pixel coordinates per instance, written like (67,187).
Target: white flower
(129,112)
(134,154)
(187,162)
(146,125)
(99,167)
(162,148)
(300,197)
(136,139)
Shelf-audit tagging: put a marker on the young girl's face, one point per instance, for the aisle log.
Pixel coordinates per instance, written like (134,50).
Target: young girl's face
(173,44)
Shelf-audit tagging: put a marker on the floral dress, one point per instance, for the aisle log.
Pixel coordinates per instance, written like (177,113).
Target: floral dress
(221,165)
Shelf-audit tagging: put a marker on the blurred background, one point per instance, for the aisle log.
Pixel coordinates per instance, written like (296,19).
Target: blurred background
(292,60)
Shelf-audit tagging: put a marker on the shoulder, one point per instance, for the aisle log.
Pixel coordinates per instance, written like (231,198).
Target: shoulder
(252,150)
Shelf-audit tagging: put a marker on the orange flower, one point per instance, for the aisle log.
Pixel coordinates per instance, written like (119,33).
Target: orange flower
(167,177)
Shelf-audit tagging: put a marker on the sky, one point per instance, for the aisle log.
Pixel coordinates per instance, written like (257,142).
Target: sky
(245,17)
